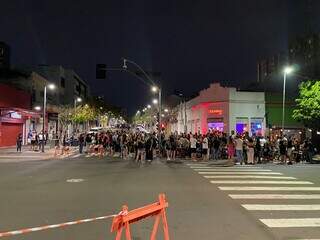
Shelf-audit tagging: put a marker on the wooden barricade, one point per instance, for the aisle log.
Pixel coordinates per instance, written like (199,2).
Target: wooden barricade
(125,218)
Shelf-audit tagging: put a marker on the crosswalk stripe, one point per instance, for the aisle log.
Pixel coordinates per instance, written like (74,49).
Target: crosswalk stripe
(213,167)
(251,177)
(291,222)
(240,188)
(275,196)
(269,207)
(75,156)
(232,170)
(240,173)
(260,182)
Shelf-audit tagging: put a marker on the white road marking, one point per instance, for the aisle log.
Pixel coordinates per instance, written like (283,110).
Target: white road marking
(275,196)
(269,188)
(75,180)
(291,222)
(260,182)
(251,177)
(231,169)
(75,156)
(266,207)
(206,166)
(241,173)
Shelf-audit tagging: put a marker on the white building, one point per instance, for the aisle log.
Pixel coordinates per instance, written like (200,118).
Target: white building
(224,109)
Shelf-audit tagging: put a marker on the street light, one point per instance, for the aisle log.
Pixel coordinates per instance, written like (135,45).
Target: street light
(154,88)
(149,106)
(77,99)
(166,110)
(37,108)
(51,86)
(287,70)
(155,101)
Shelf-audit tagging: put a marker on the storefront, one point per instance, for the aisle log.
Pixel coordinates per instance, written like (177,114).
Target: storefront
(226,109)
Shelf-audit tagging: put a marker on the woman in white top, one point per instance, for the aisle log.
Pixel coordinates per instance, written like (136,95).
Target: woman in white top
(205,148)
(193,147)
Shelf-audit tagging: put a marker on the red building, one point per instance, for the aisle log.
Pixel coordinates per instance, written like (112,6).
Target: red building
(15,110)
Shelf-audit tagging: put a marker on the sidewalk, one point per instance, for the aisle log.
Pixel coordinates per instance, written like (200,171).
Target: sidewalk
(10,154)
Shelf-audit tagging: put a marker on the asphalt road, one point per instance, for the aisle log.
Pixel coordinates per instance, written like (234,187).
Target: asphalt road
(36,193)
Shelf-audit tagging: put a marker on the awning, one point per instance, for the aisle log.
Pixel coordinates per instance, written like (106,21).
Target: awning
(23,112)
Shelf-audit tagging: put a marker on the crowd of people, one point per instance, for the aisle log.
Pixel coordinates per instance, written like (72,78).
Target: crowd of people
(214,145)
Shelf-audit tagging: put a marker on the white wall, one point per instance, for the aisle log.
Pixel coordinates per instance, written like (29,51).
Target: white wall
(247,105)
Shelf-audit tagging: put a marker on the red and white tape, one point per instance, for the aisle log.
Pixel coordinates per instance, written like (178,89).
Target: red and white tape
(36,229)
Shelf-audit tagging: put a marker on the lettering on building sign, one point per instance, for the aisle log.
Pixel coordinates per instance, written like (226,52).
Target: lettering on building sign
(215,111)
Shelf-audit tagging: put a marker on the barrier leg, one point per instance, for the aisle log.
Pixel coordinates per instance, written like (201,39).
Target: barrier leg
(162,200)
(119,233)
(155,227)
(128,234)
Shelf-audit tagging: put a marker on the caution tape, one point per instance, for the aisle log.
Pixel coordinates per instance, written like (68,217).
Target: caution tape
(66,224)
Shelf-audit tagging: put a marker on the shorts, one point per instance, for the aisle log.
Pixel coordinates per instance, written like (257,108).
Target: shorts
(205,151)
(193,150)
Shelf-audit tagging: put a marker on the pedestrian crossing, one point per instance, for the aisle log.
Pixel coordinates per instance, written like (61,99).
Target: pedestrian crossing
(278,201)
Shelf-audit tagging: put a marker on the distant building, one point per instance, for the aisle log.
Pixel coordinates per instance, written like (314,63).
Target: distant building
(16,115)
(70,84)
(225,109)
(33,84)
(4,56)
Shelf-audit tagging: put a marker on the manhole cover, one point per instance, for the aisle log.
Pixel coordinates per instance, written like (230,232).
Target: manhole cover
(75,180)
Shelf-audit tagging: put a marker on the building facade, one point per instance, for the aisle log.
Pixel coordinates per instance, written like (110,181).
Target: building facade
(223,109)
(16,115)
(70,85)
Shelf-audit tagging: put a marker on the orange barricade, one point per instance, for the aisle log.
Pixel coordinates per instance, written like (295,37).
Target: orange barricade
(125,218)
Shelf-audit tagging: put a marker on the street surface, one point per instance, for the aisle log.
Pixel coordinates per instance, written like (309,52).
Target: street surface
(205,202)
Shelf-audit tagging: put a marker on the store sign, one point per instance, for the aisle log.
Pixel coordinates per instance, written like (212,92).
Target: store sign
(215,111)
(15,115)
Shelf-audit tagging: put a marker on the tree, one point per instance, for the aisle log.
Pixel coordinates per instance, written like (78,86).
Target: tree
(84,114)
(65,117)
(308,105)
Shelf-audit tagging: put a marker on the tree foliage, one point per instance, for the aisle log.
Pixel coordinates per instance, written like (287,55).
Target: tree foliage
(65,116)
(85,113)
(308,104)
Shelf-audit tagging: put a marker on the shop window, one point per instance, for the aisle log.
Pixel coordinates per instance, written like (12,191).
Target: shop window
(242,125)
(256,127)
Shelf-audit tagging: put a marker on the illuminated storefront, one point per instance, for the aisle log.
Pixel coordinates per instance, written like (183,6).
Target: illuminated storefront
(226,109)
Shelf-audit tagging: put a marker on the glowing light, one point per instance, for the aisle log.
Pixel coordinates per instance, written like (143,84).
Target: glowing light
(166,110)
(79,99)
(149,106)
(215,111)
(37,108)
(155,101)
(154,88)
(288,70)
(51,86)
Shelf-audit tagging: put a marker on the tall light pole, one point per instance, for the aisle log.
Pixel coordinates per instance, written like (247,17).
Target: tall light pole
(77,100)
(50,86)
(154,88)
(286,71)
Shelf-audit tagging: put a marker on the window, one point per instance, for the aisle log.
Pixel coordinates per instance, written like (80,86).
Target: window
(63,82)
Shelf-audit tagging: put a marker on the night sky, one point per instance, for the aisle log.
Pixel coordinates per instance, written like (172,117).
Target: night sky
(192,43)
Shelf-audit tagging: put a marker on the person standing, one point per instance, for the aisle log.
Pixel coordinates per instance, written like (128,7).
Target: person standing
(19,142)
(193,147)
(250,151)
(230,148)
(239,149)
(81,143)
(216,146)
(205,148)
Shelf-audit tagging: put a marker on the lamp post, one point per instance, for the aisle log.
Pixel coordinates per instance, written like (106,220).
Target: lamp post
(286,71)
(77,100)
(51,87)
(154,88)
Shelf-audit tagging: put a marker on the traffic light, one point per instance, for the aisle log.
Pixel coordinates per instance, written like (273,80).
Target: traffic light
(101,71)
